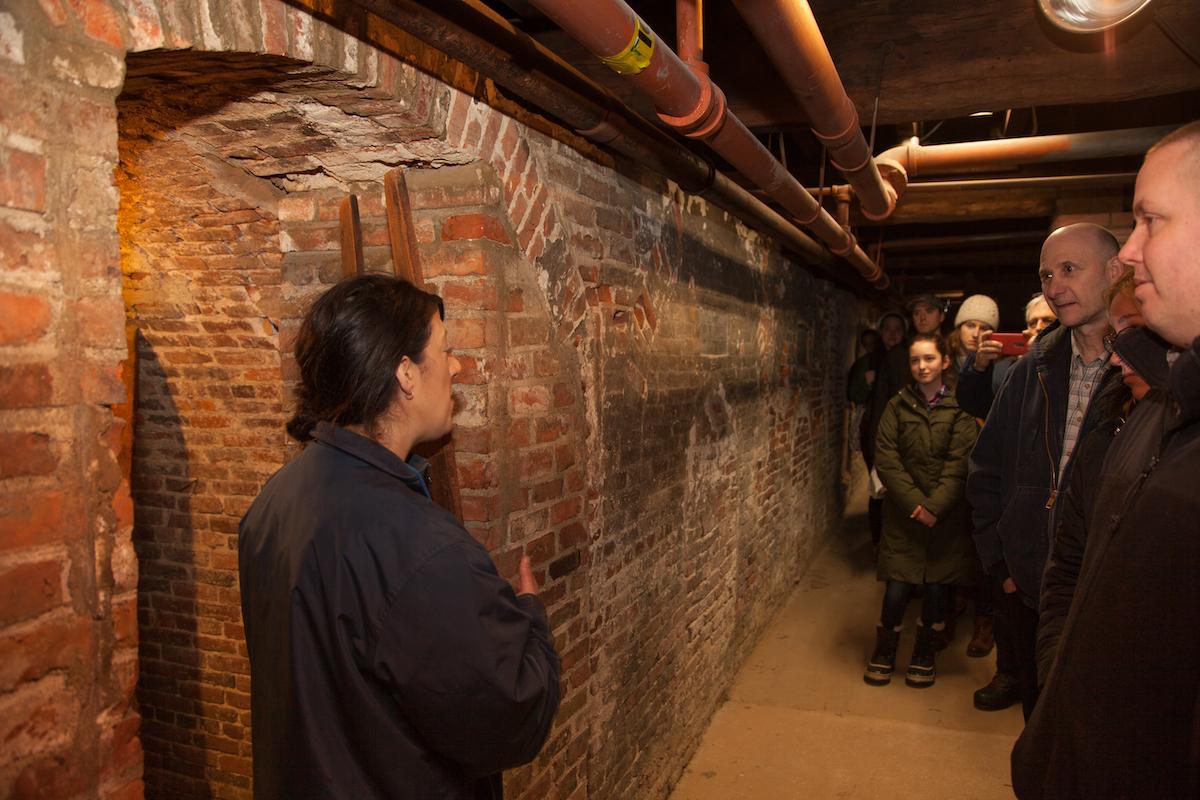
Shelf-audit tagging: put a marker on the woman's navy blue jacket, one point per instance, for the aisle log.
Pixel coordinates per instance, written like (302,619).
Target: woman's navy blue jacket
(388,658)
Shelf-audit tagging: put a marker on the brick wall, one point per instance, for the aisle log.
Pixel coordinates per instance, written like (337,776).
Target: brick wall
(651,403)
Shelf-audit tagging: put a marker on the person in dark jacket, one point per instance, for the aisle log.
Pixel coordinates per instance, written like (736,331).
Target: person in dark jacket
(388,659)
(893,330)
(921,456)
(1107,463)
(1119,716)
(1021,463)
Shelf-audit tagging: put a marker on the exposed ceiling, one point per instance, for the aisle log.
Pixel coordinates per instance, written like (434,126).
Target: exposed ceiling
(932,64)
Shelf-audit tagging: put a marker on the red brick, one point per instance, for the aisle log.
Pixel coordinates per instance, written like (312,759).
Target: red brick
(103,383)
(541,549)
(32,651)
(22,179)
(469,373)
(100,21)
(550,429)
(100,322)
(491,128)
(476,473)
(26,454)
(310,238)
(450,261)
(452,194)
(535,465)
(563,395)
(27,590)
(466,334)
(23,318)
(518,433)
(474,226)
(527,331)
(473,296)
(473,440)
(28,519)
(124,621)
(23,249)
(571,536)
(526,400)
(565,510)
(564,456)
(479,508)
(550,490)
(516,301)
(25,385)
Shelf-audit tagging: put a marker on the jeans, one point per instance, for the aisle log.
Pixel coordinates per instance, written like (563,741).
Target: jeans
(895,600)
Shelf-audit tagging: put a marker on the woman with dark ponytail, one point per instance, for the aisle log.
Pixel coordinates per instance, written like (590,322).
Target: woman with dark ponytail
(388,658)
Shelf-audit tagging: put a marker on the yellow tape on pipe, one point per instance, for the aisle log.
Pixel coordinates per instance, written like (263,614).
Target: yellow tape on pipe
(636,56)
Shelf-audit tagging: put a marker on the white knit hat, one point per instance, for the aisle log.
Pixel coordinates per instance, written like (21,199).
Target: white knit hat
(981,308)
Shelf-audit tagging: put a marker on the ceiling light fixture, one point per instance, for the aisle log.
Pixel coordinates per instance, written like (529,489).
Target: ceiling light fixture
(1089,16)
(980,114)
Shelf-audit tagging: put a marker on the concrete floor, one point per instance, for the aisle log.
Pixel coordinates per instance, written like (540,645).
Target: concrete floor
(800,723)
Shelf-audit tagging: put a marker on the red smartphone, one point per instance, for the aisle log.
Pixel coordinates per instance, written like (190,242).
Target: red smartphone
(1012,344)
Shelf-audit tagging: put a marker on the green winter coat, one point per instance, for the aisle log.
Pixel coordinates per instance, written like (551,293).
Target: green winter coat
(921,457)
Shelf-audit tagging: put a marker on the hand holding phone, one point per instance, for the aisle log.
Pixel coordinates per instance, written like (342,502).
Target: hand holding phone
(1011,344)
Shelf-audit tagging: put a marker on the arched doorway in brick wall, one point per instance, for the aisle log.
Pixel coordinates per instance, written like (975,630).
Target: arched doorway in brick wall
(232,167)
(224,162)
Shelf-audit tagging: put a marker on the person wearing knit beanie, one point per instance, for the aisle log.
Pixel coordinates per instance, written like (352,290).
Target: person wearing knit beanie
(978,315)
(981,308)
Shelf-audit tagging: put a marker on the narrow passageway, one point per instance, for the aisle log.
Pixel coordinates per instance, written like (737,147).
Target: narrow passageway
(800,723)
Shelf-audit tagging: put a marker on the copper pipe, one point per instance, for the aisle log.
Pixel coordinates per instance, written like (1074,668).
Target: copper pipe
(690,102)
(965,241)
(1036,182)
(917,159)
(486,42)
(788,33)
(991,184)
(689,30)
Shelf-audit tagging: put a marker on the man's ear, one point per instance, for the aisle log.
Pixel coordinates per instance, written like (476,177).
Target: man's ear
(405,375)
(1113,270)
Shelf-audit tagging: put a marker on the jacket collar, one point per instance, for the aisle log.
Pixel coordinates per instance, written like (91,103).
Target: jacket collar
(1052,348)
(1185,382)
(411,472)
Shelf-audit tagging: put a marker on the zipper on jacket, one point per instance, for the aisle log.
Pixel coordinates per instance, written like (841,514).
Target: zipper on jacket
(1053,498)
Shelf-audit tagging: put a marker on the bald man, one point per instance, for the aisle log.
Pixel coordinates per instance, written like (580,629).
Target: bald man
(1120,712)
(1022,460)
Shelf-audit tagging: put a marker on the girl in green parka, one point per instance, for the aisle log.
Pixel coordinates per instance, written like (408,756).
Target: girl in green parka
(921,453)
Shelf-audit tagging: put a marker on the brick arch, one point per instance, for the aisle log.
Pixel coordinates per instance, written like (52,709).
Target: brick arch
(241,153)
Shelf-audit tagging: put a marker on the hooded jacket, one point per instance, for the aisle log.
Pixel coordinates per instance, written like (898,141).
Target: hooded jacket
(1014,480)
(1119,716)
(388,658)
(921,457)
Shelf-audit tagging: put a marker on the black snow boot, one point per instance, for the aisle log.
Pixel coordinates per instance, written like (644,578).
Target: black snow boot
(883,660)
(920,668)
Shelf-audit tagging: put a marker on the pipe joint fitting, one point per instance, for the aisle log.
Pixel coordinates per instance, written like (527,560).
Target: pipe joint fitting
(602,132)
(707,117)
(851,243)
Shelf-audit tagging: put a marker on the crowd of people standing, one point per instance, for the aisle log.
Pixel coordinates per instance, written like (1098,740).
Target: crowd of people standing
(1051,480)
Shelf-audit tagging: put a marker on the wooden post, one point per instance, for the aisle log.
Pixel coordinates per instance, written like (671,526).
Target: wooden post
(406,262)
(352,246)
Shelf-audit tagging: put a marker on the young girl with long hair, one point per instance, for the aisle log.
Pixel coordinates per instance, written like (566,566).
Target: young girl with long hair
(921,453)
